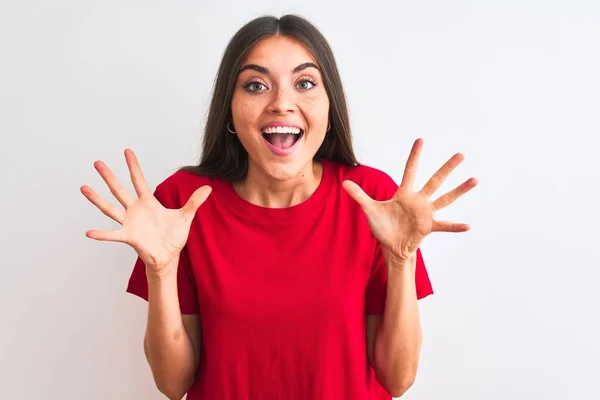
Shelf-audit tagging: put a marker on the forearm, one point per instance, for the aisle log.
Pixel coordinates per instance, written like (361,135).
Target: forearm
(168,347)
(398,340)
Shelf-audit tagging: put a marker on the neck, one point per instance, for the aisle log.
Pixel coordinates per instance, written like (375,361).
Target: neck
(261,190)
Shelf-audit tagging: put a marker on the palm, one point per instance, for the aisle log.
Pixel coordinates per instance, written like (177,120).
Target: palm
(401,223)
(154,231)
(406,215)
(157,234)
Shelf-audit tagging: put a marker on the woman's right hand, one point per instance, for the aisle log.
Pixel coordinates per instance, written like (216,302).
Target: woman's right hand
(157,234)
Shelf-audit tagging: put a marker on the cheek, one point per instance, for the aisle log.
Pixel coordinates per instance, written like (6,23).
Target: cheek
(244,113)
(238,107)
(317,111)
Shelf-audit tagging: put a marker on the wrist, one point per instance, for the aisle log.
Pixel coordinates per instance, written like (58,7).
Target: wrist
(162,273)
(400,261)
(162,286)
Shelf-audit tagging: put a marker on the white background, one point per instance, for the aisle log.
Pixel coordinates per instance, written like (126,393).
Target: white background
(515,85)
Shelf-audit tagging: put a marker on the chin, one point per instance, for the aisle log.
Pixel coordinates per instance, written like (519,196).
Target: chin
(283,171)
(283,165)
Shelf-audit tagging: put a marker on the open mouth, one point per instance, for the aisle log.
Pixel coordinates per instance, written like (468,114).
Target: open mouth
(282,137)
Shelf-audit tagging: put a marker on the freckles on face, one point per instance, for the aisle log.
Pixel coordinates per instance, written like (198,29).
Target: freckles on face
(245,114)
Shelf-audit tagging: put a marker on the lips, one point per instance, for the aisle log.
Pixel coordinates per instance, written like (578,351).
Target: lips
(281,137)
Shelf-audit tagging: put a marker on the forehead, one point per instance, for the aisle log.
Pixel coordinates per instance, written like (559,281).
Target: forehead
(279,53)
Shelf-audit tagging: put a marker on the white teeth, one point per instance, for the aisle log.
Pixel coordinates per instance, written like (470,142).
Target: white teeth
(282,129)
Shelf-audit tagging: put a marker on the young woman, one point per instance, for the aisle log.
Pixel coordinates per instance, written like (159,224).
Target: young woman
(279,268)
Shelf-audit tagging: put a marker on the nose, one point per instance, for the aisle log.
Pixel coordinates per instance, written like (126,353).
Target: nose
(283,101)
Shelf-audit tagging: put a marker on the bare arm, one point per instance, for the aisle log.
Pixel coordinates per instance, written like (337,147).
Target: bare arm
(158,233)
(394,339)
(400,225)
(172,343)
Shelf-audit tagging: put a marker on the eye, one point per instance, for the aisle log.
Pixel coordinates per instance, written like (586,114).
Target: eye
(255,86)
(306,84)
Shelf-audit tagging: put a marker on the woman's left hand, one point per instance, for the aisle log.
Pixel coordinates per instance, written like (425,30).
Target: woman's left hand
(401,223)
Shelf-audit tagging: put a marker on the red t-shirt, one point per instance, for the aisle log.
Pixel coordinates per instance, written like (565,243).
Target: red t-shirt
(282,293)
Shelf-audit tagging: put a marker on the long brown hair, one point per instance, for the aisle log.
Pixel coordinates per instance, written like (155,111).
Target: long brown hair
(223,155)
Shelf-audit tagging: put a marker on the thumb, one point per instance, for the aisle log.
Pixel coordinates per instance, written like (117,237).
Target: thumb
(356,192)
(195,201)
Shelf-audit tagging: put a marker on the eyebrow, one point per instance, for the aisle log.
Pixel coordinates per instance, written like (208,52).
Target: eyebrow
(264,70)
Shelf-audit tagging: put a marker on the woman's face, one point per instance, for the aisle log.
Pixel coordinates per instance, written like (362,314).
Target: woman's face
(280,107)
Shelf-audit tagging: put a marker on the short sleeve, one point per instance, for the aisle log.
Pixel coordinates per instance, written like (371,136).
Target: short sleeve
(186,283)
(376,290)
(377,286)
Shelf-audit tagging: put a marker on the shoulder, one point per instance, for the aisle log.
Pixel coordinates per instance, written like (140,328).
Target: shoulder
(378,184)
(175,190)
